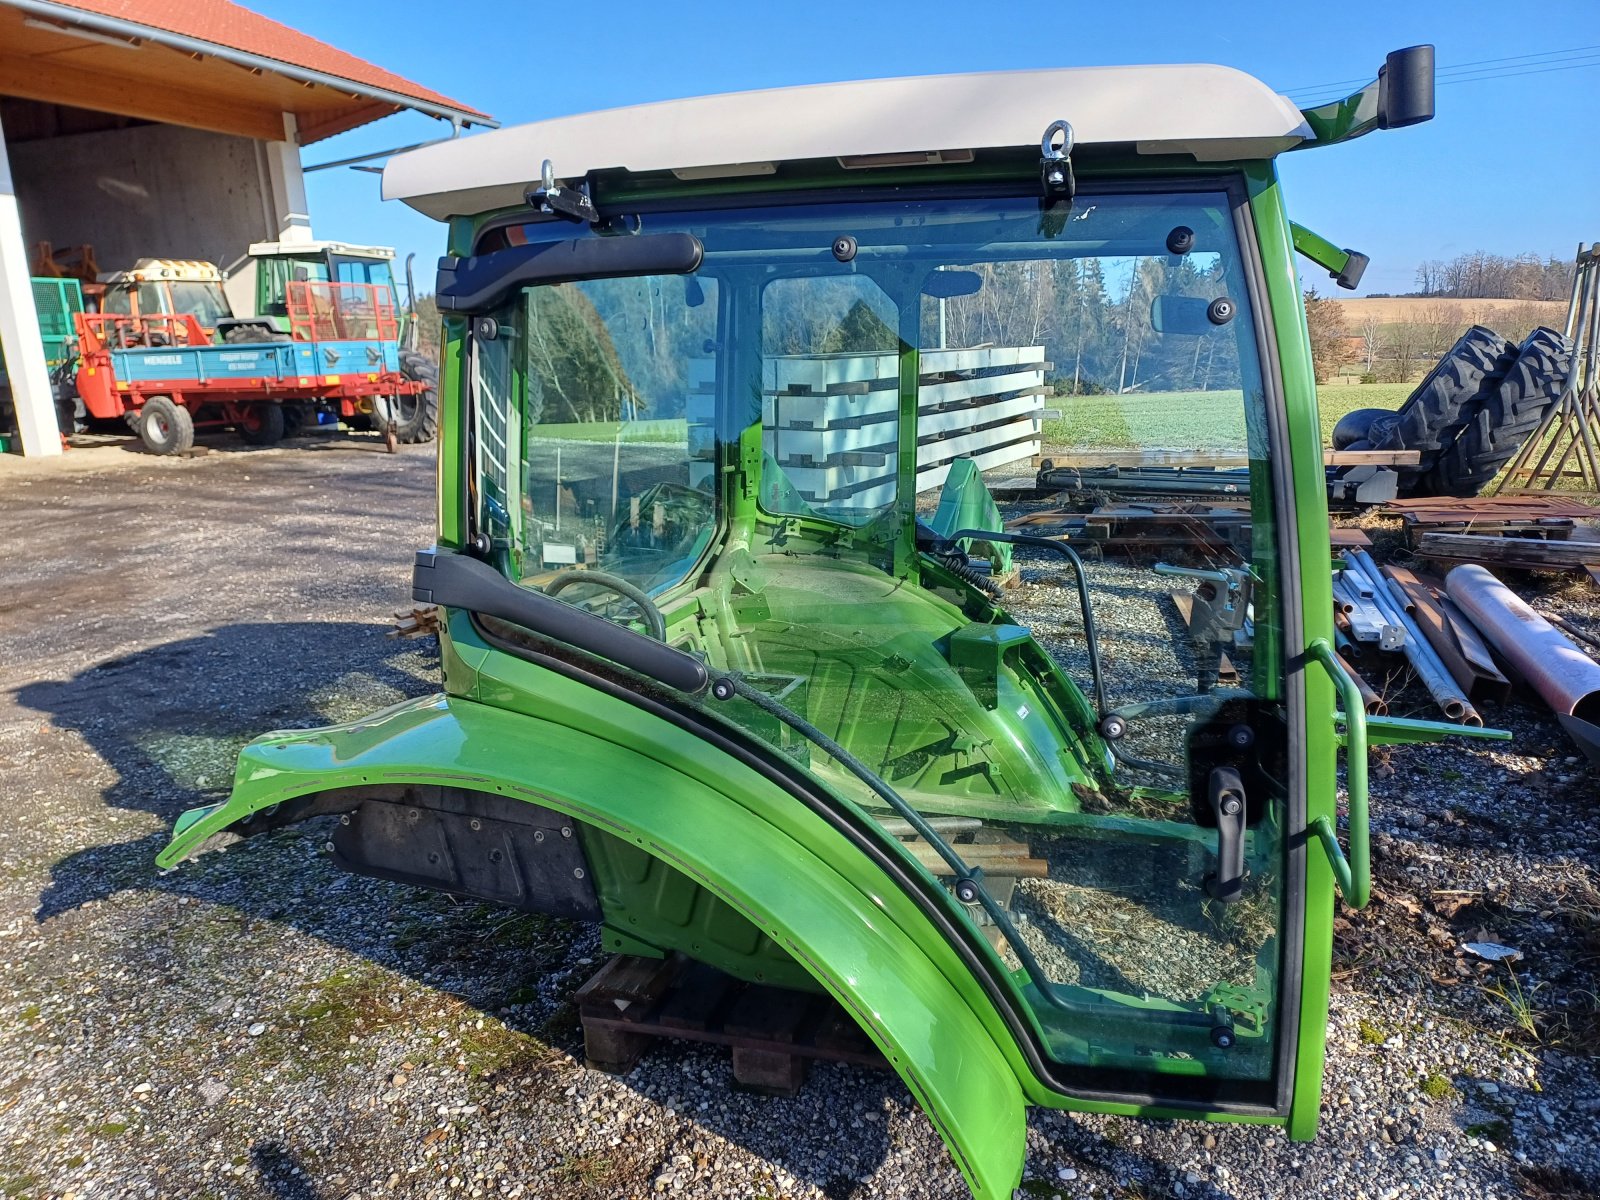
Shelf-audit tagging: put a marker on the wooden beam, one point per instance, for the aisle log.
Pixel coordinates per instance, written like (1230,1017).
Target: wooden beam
(1518,552)
(1136,457)
(324,122)
(53,83)
(1371,458)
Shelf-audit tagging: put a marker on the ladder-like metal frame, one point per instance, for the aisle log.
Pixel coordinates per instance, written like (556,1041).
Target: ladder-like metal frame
(1570,431)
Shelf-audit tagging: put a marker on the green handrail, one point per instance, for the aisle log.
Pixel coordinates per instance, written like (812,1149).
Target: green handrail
(1354,874)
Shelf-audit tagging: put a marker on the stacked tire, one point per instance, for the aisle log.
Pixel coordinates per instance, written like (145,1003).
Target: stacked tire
(1470,415)
(1493,434)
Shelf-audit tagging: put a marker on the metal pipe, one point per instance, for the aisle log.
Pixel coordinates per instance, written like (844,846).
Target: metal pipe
(1479,682)
(1370,700)
(1430,669)
(1566,678)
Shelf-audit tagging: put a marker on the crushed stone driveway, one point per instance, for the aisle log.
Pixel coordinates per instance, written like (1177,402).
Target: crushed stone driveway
(257,1024)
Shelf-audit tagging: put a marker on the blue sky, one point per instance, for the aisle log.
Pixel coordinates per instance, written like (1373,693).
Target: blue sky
(1498,169)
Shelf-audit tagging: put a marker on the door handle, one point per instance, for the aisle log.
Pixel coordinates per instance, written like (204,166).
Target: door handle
(1226,793)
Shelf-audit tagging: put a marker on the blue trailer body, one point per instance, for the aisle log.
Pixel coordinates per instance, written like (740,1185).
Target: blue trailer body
(294,364)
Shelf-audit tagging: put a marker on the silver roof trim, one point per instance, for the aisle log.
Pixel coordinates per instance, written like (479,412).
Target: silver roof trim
(1210,112)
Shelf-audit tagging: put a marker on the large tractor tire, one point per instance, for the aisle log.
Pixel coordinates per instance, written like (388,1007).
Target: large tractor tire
(1495,431)
(417,415)
(1363,425)
(262,424)
(296,417)
(164,426)
(1446,400)
(247,335)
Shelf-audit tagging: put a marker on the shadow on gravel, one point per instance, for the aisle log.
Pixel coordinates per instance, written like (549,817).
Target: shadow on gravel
(170,721)
(280,1173)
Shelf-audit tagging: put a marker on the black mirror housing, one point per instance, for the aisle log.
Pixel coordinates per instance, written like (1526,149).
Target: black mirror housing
(1405,88)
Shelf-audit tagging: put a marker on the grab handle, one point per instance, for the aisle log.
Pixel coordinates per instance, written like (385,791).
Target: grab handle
(1354,874)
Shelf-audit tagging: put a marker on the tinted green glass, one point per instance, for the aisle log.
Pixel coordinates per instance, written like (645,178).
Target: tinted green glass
(734,446)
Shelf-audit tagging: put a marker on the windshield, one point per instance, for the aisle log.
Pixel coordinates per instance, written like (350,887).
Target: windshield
(204,300)
(605,406)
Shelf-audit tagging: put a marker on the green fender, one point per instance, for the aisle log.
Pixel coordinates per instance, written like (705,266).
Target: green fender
(863,944)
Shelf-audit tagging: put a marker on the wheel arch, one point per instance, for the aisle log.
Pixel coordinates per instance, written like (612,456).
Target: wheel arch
(847,938)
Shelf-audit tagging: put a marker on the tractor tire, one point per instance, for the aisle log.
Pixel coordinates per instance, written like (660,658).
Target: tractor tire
(70,412)
(165,427)
(1363,425)
(296,417)
(252,335)
(1494,434)
(417,416)
(1446,400)
(265,428)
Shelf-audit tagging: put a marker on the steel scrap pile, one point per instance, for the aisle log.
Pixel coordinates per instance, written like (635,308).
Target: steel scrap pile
(1468,638)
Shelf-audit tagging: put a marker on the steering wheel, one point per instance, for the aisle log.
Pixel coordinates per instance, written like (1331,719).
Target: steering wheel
(613,583)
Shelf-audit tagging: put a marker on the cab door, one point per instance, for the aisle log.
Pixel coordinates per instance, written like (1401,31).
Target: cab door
(1150,917)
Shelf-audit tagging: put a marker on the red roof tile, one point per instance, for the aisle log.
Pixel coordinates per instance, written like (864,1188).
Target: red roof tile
(226,24)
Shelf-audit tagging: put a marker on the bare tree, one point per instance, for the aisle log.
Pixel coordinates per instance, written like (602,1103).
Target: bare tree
(1371,332)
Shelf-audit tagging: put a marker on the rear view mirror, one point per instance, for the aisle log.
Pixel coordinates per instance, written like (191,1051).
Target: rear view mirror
(946,285)
(473,285)
(1405,88)
(1189,315)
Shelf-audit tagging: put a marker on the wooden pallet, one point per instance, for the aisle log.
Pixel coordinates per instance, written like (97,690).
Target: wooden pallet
(1522,553)
(774,1032)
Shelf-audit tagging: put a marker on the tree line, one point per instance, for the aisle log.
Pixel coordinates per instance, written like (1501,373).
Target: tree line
(1478,275)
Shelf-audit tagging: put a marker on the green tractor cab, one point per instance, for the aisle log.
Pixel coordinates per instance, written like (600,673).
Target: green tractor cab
(260,284)
(309,289)
(728,664)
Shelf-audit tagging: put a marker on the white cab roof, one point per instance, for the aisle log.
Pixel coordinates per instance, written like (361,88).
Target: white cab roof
(1209,112)
(259,249)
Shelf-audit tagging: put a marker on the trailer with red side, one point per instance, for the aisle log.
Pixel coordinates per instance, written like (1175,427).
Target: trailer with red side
(163,374)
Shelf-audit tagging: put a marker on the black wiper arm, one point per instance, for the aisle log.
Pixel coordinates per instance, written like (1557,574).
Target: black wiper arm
(473,285)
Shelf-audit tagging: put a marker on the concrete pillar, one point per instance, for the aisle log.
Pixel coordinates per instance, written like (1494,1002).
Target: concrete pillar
(286,185)
(19,328)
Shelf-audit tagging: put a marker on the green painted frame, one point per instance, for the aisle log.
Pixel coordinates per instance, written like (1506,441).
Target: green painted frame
(859,934)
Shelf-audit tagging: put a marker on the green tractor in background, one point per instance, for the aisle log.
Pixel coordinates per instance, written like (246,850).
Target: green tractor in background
(257,290)
(726,664)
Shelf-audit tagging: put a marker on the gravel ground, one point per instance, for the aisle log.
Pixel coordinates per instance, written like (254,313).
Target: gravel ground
(257,1024)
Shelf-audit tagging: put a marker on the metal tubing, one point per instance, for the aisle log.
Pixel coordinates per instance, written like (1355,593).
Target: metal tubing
(1434,674)
(1566,678)
(1370,700)
(1477,681)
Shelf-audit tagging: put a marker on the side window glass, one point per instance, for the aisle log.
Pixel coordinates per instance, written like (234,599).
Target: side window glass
(586,460)
(830,394)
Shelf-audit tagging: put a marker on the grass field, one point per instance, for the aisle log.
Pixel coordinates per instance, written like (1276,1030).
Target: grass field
(1202,421)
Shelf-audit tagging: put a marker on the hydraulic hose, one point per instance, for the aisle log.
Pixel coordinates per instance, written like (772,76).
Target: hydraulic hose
(1090,637)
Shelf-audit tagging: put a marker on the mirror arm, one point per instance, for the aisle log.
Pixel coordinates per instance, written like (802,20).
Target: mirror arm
(1345,267)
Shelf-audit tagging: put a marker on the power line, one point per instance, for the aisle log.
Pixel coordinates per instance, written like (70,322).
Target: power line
(1486,68)
(1550,55)
(1513,74)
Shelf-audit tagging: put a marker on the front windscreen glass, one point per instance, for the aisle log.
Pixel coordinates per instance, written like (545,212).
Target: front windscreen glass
(772,454)
(204,301)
